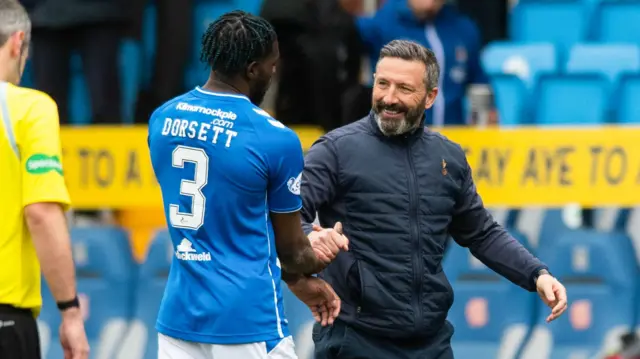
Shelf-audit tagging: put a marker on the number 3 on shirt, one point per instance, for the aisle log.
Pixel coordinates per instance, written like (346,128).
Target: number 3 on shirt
(193,189)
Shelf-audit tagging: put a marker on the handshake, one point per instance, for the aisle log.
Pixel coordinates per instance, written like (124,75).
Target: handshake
(315,292)
(327,243)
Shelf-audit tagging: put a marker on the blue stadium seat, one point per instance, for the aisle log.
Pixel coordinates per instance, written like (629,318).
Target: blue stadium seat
(596,268)
(142,341)
(611,60)
(572,99)
(491,315)
(553,223)
(562,22)
(105,271)
(526,61)
(511,99)
(617,21)
(626,100)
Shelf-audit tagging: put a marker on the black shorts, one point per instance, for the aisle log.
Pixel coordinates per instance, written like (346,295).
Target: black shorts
(18,334)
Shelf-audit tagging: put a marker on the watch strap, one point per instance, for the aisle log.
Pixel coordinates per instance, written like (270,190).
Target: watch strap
(73,303)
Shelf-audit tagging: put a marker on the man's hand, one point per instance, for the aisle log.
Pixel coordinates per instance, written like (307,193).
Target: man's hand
(72,335)
(319,297)
(553,294)
(327,243)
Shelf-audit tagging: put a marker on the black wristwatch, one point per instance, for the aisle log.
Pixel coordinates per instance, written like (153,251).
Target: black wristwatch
(538,274)
(73,303)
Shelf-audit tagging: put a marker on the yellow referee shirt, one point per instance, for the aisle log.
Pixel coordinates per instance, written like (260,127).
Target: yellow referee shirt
(30,172)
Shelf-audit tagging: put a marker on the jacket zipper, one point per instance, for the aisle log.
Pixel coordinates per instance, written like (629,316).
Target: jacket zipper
(415,238)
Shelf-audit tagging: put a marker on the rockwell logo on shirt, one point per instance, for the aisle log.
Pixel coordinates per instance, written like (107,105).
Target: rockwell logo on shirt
(41,164)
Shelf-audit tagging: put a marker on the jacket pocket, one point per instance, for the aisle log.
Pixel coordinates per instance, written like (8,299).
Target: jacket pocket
(385,302)
(354,281)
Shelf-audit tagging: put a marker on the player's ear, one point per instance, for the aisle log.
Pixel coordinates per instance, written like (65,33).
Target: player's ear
(17,40)
(252,70)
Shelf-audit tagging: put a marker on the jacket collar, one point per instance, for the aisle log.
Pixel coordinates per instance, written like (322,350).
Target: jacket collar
(407,137)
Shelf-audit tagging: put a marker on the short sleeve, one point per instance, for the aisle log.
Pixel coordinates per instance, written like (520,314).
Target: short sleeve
(41,155)
(286,162)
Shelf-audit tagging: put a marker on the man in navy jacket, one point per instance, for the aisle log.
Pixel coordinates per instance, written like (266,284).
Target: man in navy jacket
(399,191)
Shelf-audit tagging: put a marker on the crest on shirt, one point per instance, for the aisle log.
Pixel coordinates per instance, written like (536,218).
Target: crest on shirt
(444,167)
(294,184)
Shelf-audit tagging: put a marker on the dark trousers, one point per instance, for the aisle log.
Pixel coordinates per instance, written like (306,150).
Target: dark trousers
(341,341)
(98,46)
(18,334)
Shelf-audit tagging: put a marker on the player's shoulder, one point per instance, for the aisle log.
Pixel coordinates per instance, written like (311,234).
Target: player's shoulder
(28,105)
(172,104)
(266,122)
(271,131)
(25,97)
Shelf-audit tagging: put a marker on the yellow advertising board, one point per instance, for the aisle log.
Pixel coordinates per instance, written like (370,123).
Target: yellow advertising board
(110,166)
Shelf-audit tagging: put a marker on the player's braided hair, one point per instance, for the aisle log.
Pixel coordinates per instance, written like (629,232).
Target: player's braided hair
(235,40)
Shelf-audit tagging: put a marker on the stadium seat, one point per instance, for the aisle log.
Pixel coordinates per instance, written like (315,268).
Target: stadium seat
(596,268)
(511,99)
(105,271)
(610,218)
(572,99)
(142,341)
(626,104)
(608,59)
(617,21)
(491,316)
(526,61)
(556,221)
(562,22)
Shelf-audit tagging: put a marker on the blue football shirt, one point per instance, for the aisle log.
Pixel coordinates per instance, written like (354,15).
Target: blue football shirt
(223,164)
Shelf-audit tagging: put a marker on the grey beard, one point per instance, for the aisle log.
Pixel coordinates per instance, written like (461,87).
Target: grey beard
(395,128)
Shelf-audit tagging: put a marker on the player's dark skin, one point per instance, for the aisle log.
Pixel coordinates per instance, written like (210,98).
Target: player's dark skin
(297,258)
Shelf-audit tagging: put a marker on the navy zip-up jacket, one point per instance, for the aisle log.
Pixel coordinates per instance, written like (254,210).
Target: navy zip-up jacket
(399,199)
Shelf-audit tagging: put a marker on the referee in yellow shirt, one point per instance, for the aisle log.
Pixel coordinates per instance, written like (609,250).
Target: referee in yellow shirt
(33,197)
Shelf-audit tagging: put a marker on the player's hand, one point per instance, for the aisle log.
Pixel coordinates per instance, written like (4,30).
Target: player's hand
(553,294)
(327,243)
(319,297)
(72,335)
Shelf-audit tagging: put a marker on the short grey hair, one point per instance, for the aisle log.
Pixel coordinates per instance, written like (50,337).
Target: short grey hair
(13,18)
(413,51)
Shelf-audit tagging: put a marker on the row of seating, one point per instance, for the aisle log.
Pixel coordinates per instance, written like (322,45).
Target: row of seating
(492,316)
(567,99)
(566,22)
(531,60)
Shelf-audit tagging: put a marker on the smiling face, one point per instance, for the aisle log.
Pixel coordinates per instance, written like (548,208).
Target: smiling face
(400,94)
